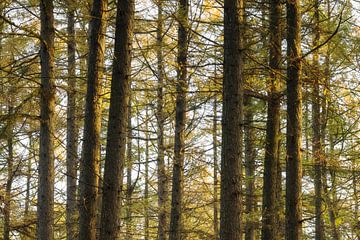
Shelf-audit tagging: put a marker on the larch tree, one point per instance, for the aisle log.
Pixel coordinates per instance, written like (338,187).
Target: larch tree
(180,119)
(90,159)
(232,121)
(293,212)
(270,226)
(72,129)
(118,114)
(45,228)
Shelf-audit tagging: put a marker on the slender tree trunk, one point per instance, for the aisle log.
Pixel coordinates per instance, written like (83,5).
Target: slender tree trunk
(293,132)
(316,141)
(250,199)
(45,228)
(129,163)
(270,222)
(216,171)
(117,129)
(72,131)
(10,174)
(179,147)
(161,169)
(232,120)
(89,165)
(146,192)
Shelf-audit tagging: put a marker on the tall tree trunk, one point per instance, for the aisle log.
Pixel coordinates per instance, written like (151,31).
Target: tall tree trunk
(216,171)
(161,170)
(179,146)
(232,120)
(117,129)
(270,212)
(293,131)
(10,173)
(146,190)
(89,165)
(316,141)
(45,228)
(72,130)
(129,163)
(250,199)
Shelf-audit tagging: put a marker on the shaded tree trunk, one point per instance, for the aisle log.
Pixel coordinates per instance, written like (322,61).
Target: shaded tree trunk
(232,120)
(117,129)
(316,141)
(179,146)
(293,229)
(89,165)
(270,212)
(161,169)
(45,228)
(216,171)
(72,130)
(250,198)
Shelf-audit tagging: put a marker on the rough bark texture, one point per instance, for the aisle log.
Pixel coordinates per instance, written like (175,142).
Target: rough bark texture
(45,228)
(216,172)
(232,132)
(117,129)
(179,146)
(270,226)
(293,130)
(316,140)
(161,170)
(250,154)
(72,131)
(89,165)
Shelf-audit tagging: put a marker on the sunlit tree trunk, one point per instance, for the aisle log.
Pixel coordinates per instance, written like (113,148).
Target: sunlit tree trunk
(118,122)
(89,165)
(45,211)
(72,130)
(232,120)
(180,118)
(293,213)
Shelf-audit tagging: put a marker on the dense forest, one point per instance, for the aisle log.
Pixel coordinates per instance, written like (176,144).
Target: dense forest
(174,120)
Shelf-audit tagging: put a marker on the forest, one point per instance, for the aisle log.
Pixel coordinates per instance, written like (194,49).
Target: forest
(180,120)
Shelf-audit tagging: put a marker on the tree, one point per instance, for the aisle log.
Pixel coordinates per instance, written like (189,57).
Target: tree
(180,109)
(232,120)
(89,165)
(118,114)
(45,228)
(293,211)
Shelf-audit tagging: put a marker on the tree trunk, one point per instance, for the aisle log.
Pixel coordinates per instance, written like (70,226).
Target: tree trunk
(45,228)
(117,129)
(270,221)
(72,131)
(161,170)
(232,120)
(316,141)
(216,171)
(146,190)
(179,146)
(89,165)
(250,199)
(293,131)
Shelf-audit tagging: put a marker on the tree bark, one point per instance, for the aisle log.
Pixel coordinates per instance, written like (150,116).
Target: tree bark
(250,154)
(270,212)
(146,190)
(117,129)
(45,228)
(293,211)
(161,169)
(179,146)
(232,121)
(72,130)
(316,141)
(89,165)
